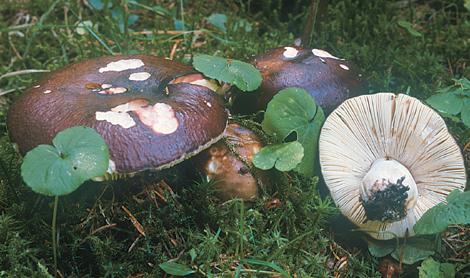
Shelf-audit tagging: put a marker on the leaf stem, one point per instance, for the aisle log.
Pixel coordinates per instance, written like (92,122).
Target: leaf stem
(54,240)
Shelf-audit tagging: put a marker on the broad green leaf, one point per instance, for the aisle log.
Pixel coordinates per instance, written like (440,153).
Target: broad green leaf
(243,75)
(431,268)
(79,154)
(381,248)
(446,102)
(173,268)
(409,27)
(284,156)
(218,21)
(465,115)
(437,218)
(416,249)
(293,109)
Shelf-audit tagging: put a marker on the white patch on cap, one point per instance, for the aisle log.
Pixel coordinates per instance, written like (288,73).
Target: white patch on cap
(344,67)
(118,115)
(139,76)
(106,86)
(290,52)
(37,86)
(122,65)
(208,104)
(116,118)
(160,118)
(47,91)
(117,90)
(324,54)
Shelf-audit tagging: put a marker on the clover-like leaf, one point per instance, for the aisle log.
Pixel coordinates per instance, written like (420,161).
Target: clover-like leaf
(284,156)
(177,269)
(293,109)
(79,154)
(243,75)
(437,218)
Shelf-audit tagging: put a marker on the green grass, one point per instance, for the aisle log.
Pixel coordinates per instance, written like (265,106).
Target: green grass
(191,228)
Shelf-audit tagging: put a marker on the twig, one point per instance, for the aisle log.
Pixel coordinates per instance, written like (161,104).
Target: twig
(95,231)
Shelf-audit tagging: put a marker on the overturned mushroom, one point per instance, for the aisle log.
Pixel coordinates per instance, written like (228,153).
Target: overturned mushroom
(387,159)
(151,112)
(232,174)
(328,79)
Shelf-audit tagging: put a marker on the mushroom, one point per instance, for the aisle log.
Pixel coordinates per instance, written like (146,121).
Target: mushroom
(233,172)
(328,79)
(387,159)
(152,112)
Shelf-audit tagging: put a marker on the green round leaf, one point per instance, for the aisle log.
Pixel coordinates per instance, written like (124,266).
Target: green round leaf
(243,75)
(79,154)
(285,156)
(293,109)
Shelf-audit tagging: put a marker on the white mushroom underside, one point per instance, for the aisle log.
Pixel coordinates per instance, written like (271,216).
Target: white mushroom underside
(369,127)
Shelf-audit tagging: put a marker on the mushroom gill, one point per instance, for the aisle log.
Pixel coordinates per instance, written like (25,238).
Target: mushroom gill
(363,133)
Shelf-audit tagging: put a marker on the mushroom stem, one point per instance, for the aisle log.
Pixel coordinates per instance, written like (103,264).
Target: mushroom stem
(388,191)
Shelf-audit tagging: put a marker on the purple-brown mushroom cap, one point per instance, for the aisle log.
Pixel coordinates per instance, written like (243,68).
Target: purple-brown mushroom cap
(145,108)
(328,79)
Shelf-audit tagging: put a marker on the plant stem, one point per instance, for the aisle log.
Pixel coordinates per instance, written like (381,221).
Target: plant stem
(316,14)
(54,240)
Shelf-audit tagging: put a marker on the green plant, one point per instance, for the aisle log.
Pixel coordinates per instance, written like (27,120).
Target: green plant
(431,268)
(439,217)
(79,154)
(453,100)
(243,75)
(291,112)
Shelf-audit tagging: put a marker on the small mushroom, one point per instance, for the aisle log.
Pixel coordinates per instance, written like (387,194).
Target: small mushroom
(387,159)
(151,112)
(233,174)
(328,79)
